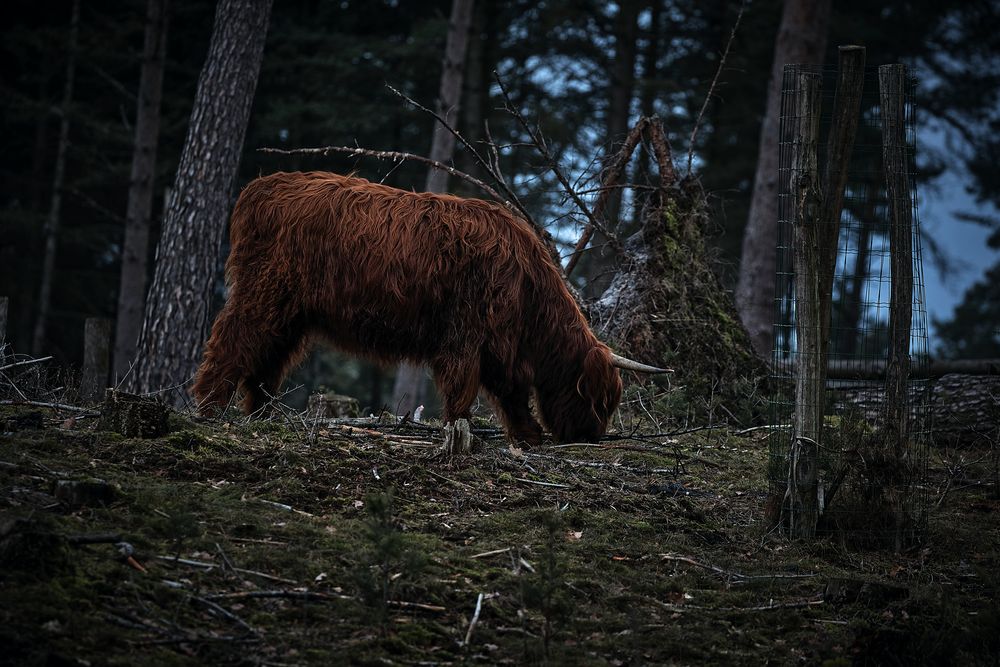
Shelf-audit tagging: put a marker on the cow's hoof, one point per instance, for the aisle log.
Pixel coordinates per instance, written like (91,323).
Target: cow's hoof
(457,437)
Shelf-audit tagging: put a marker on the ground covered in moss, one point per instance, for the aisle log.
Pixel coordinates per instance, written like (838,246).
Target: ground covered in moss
(284,543)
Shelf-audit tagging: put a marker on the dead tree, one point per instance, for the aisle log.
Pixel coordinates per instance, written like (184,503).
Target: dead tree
(666,305)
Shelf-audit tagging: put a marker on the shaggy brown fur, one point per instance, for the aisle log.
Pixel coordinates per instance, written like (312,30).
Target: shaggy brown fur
(459,284)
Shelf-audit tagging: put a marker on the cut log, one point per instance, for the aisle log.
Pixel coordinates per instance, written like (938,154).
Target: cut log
(330,405)
(133,416)
(960,410)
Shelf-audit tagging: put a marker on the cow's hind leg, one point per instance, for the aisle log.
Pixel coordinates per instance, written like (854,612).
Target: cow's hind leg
(245,353)
(272,360)
(457,379)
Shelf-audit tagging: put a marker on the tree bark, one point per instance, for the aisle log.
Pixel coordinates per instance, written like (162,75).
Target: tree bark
(96,358)
(135,247)
(51,231)
(801,39)
(410,388)
(179,303)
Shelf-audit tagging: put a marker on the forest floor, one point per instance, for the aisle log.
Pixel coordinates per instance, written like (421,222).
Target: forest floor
(272,543)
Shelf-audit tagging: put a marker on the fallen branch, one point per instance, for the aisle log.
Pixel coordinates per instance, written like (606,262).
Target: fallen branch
(472,623)
(681,609)
(26,362)
(213,566)
(495,552)
(633,448)
(550,484)
(222,611)
(734,577)
(291,595)
(54,406)
(417,605)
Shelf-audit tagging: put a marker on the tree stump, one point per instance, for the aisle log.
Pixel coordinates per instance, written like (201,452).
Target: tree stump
(133,416)
(457,437)
(330,405)
(84,493)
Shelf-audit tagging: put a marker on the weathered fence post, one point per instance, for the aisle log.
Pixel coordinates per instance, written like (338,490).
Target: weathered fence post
(892,85)
(818,206)
(892,81)
(809,381)
(96,358)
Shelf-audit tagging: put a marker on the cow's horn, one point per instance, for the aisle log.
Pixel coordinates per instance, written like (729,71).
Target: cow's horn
(629,365)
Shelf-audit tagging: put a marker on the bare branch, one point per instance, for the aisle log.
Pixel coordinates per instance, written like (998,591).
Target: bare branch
(543,148)
(711,89)
(494,173)
(614,171)
(395,155)
(661,149)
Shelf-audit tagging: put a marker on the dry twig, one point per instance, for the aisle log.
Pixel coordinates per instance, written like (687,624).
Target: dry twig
(711,88)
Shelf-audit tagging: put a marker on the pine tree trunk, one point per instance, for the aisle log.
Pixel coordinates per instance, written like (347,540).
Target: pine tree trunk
(135,248)
(55,206)
(801,39)
(410,388)
(179,303)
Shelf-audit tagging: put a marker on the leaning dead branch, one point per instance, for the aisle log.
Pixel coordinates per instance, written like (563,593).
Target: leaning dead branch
(539,142)
(613,173)
(26,362)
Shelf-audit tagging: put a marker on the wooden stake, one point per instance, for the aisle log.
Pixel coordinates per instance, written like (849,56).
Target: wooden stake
(892,82)
(810,378)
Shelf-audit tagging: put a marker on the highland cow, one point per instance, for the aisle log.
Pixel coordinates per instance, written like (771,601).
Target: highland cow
(461,285)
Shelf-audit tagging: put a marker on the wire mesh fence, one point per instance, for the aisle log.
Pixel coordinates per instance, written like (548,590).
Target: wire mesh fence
(870,449)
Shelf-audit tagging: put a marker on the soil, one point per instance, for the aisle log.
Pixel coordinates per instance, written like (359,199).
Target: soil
(280,543)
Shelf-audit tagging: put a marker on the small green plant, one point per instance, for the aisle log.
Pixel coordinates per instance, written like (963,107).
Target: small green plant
(544,590)
(389,562)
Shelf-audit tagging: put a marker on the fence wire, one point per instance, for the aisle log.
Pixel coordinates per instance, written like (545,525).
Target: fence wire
(865,496)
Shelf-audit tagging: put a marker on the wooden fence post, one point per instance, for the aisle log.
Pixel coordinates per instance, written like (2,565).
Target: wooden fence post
(892,87)
(818,207)
(892,82)
(810,379)
(96,358)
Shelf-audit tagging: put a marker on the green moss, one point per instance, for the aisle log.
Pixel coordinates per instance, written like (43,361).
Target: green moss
(196,493)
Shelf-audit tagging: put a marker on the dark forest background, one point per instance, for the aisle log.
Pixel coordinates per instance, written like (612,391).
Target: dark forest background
(323,80)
